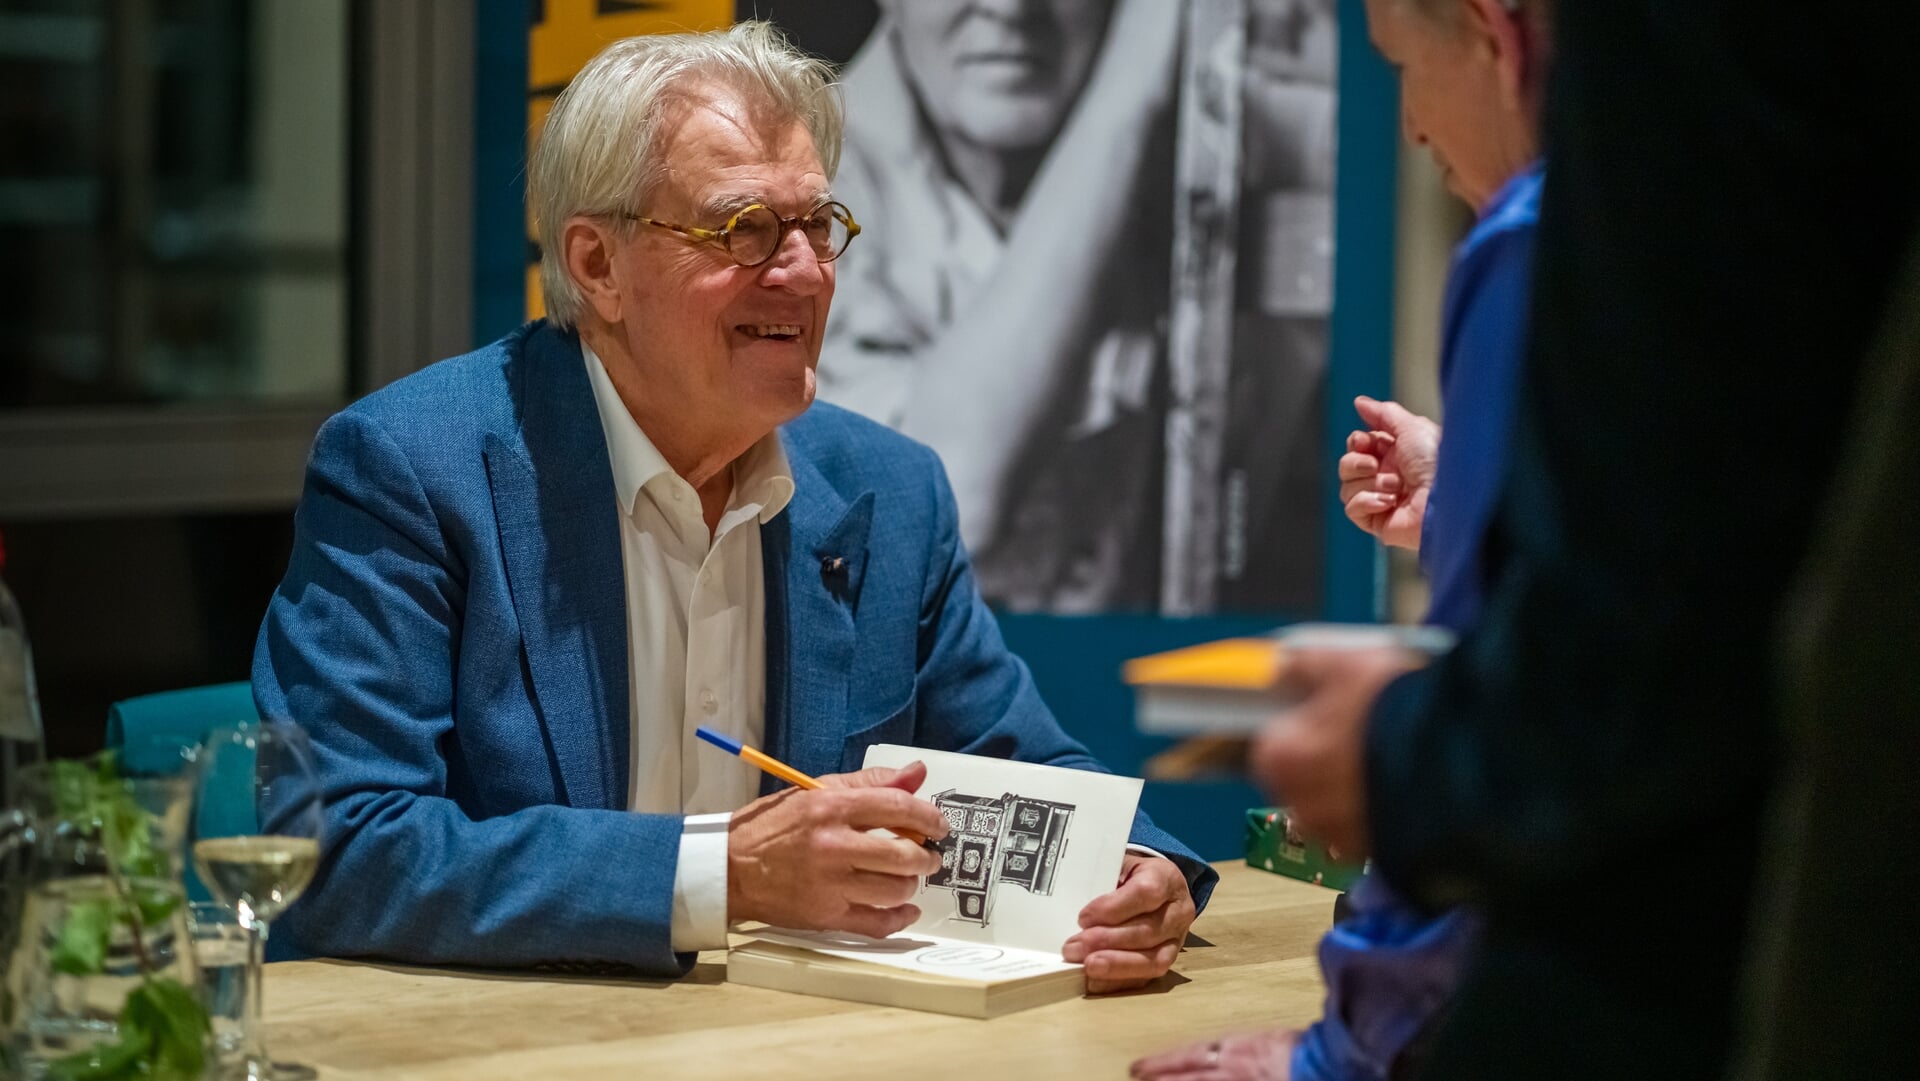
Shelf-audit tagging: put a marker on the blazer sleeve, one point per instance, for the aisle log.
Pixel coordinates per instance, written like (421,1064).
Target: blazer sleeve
(360,645)
(977,697)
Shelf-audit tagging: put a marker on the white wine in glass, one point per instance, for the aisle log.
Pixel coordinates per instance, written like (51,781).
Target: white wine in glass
(265,873)
(256,844)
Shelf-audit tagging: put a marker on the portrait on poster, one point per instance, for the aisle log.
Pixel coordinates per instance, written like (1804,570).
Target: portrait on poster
(1095,275)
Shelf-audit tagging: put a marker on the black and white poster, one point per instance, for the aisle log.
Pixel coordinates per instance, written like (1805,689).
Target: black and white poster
(1095,275)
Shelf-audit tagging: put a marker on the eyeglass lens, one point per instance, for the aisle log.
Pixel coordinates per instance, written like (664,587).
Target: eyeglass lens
(757,233)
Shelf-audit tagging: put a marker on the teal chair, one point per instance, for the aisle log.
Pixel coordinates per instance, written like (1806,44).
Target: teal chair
(187,716)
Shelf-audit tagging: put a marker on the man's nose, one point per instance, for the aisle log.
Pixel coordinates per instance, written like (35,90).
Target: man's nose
(794,265)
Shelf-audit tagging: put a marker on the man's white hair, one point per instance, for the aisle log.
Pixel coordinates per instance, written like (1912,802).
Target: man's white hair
(600,151)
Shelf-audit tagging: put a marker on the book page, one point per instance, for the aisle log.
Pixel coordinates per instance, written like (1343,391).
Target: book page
(929,954)
(1030,846)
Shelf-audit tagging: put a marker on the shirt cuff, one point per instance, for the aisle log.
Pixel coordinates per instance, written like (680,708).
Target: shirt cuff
(700,884)
(1145,851)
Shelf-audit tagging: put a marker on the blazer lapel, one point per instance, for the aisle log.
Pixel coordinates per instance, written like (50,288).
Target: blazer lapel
(815,558)
(560,535)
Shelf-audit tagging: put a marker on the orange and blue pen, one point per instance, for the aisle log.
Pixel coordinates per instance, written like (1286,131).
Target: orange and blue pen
(766,763)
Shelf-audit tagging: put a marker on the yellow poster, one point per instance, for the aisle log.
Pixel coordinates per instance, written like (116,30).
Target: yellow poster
(569,33)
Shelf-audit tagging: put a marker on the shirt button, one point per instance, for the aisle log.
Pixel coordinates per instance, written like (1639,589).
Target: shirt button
(678,496)
(708,702)
(706,577)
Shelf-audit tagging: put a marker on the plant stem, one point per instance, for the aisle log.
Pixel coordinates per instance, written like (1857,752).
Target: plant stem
(131,910)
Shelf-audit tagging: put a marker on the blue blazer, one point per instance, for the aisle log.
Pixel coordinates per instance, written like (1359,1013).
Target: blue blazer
(452,631)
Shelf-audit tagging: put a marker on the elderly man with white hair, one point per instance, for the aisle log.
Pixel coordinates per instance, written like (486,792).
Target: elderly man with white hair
(523,577)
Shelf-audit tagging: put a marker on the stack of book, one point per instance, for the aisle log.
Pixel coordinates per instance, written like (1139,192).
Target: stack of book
(1229,687)
(1234,686)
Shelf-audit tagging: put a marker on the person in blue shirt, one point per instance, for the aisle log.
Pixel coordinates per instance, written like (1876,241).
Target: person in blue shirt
(1472,80)
(1399,480)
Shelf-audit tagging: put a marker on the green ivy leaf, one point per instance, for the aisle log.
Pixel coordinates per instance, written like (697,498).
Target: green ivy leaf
(179,1026)
(163,1037)
(107,1062)
(81,947)
(163,1028)
(125,828)
(92,796)
(73,789)
(155,904)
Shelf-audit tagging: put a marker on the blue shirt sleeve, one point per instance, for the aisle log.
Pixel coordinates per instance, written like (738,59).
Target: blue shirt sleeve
(1390,969)
(1480,371)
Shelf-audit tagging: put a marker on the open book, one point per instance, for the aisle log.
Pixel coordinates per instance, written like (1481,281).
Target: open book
(1030,846)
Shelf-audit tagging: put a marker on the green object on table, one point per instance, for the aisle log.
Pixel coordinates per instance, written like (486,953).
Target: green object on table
(1270,847)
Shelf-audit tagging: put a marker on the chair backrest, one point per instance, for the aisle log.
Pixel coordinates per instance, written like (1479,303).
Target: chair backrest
(189,713)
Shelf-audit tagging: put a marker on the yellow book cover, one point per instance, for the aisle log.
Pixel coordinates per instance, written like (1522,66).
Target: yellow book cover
(1233,687)
(1224,688)
(1252,664)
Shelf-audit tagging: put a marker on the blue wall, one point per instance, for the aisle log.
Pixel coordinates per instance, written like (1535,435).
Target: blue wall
(499,167)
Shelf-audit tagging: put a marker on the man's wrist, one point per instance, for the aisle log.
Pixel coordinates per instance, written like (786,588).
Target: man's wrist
(702,884)
(1143,850)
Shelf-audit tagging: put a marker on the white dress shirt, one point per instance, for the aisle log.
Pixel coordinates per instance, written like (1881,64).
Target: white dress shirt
(696,647)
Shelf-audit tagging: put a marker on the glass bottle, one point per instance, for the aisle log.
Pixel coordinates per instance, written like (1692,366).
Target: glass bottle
(22,741)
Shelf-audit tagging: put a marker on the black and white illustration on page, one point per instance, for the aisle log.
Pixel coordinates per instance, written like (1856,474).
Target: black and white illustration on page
(998,842)
(1027,846)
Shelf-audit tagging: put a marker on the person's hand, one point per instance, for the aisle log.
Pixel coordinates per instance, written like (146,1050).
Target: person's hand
(1311,758)
(1387,472)
(1129,936)
(804,859)
(1266,1055)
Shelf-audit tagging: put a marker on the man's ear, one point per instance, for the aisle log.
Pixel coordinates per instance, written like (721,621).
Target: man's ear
(1504,34)
(587,253)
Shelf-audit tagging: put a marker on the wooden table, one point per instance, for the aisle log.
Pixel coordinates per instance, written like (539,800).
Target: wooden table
(1253,965)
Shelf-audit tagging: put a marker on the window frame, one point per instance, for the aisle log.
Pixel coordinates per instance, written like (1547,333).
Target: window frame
(410,302)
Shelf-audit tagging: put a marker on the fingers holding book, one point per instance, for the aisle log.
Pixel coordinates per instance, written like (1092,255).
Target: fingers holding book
(1131,935)
(804,859)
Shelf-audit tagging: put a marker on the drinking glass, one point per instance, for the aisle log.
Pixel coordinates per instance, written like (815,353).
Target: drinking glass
(98,927)
(257,833)
(220,951)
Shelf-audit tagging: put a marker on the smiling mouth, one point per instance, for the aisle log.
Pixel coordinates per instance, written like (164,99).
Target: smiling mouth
(779,332)
(1005,56)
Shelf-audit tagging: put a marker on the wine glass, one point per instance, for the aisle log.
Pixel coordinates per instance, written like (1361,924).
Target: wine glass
(257,834)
